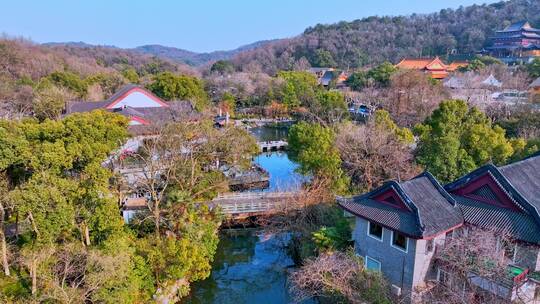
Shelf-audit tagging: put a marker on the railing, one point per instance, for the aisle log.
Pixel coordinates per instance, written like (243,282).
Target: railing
(251,202)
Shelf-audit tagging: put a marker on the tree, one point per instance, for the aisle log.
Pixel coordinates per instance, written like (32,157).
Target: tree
(341,277)
(468,258)
(169,86)
(298,88)
(411,97)
(323,58)
(328,106)
(374,153)
(69,81)
(131,75)
(381,74)
(534,68)
(358,80)
(49,101)
(457,139)
(312,145)
(222,67)
(76,247)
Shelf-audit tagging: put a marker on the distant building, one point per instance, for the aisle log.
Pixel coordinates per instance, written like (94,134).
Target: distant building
(435,67)
(325,76)
(401,225)
(517,42)
(143,108)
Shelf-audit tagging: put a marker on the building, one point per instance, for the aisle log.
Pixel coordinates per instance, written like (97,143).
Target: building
(399,226)
(325,76)
(518,42)
(435,67)
(143,108)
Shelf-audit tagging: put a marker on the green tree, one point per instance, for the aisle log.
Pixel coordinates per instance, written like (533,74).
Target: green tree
(170,86)
(474,65)
(384,122)
(298,88)
(381,74)
(131,75)
(49,101)
(456,139)
(329,106)
(312,145)
(358,80)
(76,248)
(534,68)
(70,81)
(222,67)
(323,58)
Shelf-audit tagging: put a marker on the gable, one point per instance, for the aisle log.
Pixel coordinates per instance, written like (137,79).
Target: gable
(486,190)
(137,98)
(390,198)
(436,64)
(136,121)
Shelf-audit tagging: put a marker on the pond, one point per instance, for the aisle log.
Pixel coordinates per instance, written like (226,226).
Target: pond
(249,267)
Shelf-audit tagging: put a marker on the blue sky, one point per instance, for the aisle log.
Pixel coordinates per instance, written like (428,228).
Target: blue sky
(197,25)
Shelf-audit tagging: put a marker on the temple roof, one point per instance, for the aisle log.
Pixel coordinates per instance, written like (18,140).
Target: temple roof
(535,84)
(429,211)
(518,26)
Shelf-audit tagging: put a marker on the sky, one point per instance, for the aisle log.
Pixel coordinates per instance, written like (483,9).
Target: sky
(196,25)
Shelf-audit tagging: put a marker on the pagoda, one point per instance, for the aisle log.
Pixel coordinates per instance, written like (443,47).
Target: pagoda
(517,42)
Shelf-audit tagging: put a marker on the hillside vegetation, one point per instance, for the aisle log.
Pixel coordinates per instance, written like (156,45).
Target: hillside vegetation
(373,40)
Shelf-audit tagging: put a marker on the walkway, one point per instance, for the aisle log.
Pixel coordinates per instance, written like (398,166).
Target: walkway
(240,205)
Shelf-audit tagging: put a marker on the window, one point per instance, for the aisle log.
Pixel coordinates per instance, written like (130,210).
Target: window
(443,277)
(375,231)
(429,246)
(372,264)
(399,241)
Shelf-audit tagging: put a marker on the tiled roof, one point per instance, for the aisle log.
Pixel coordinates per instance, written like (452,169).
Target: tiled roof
(520,181)
(414,63)
(535,84)
(430,209)
(518,26)
(524,176)
(519,225)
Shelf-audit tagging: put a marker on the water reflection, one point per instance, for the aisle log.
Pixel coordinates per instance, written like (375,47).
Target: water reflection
(248,268)
(283,176)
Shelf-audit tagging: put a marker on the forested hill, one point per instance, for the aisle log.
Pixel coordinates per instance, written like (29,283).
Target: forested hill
(375,39)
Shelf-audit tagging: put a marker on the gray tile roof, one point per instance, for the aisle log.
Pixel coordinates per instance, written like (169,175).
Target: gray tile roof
(430,209)
(519,225)
(524,176)
(521,182)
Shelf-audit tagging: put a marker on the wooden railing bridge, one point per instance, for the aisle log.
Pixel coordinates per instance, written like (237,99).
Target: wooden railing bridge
(246,204)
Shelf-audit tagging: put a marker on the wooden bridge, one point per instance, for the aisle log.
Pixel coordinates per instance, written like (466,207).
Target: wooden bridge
(246,204)
(266,146)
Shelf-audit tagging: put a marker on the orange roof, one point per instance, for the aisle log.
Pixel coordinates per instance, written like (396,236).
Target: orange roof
(422,64)
(414,63)
(456,65)
(438,74)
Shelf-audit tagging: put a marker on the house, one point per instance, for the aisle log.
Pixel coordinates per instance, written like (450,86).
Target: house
(399,226)
(435,67)
(517,42)
(325,76)
(143,108)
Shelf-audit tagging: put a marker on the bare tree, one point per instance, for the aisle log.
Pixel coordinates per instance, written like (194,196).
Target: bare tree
(338,274)
(372,155)
(473,268)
